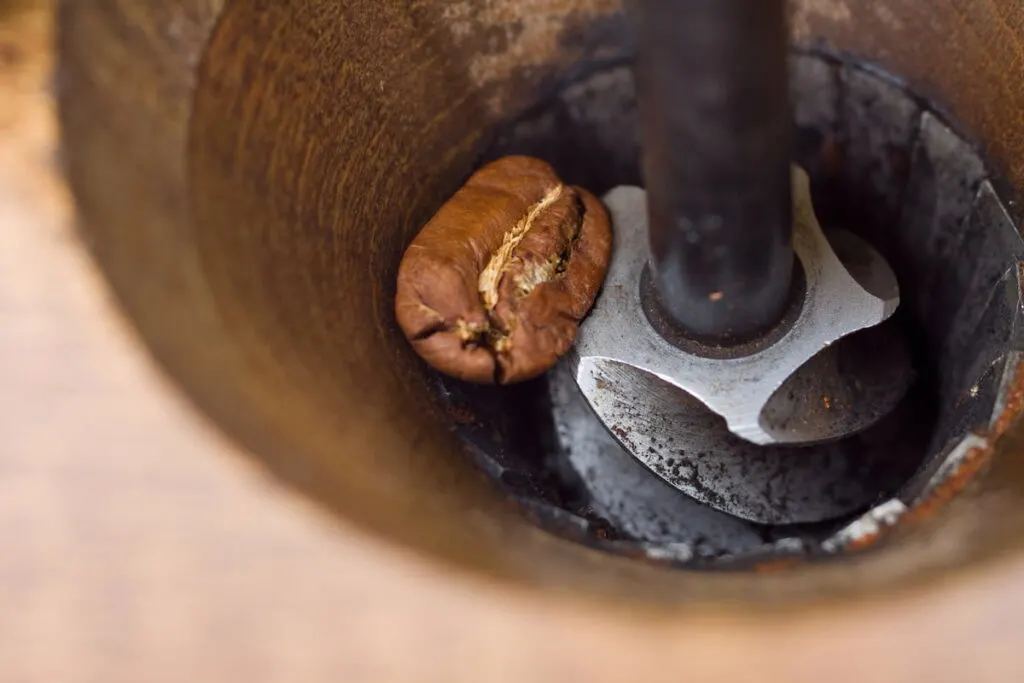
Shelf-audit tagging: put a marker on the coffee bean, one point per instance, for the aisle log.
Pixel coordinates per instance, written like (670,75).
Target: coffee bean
(493,288)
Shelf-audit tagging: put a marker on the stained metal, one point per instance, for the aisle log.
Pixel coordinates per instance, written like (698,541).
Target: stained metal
(736,388)
(716,153)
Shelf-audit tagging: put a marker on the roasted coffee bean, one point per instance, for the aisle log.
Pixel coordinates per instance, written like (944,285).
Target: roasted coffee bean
(493,288)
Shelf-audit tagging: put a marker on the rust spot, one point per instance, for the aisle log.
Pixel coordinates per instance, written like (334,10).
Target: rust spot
(831,157)
(827,401)
(976,458)
(864,542)
(715,297)
(1014,404)
(461,414)
(951,487)
(601,384)
(777,566)
(623,435)
(899,161)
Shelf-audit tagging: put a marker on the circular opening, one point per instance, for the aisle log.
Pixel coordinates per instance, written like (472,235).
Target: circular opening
(260,265)
(884,166)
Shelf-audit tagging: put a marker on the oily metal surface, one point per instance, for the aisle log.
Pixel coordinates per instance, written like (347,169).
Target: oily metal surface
(626,492)
(689,447)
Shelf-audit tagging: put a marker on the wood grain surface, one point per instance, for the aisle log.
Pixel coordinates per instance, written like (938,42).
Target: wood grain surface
(137,545)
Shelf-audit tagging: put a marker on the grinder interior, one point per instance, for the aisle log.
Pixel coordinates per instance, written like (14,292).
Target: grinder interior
(884,165)
(251,211)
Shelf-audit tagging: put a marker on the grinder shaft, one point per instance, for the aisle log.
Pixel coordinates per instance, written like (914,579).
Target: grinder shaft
(712,83)
(720,223)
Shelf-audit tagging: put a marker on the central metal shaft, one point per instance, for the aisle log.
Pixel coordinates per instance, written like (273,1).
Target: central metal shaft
(712,81)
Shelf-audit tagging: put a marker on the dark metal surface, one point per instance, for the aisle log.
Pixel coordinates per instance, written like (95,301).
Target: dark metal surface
(589,131)
(628,494)
(880,125)
(690,448)
(989,252)
(946,172)
(712,84)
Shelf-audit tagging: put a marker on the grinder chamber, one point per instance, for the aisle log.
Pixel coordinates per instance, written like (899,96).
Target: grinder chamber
(248,174)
